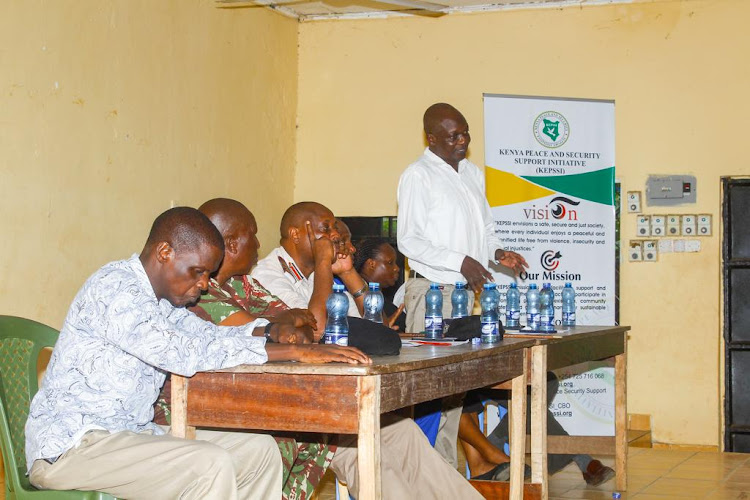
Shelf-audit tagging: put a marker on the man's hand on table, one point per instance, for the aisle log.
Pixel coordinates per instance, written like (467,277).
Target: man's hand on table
(322,353)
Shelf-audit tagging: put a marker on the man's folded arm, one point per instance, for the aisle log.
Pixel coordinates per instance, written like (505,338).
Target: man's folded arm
(180,342)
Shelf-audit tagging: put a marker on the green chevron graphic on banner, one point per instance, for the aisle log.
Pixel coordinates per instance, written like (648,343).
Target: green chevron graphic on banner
(597,186)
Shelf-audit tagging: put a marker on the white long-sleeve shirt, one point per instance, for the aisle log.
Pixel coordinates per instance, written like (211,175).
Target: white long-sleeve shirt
(110,361)
(443,216)
(281,276)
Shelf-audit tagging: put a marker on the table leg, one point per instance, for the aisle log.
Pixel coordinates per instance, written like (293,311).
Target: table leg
(539,418)
(621,423)
(518,433)
(179,406)
(368,458)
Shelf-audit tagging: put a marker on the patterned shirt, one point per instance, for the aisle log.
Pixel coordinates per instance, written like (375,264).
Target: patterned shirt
(237,294)
(114,350)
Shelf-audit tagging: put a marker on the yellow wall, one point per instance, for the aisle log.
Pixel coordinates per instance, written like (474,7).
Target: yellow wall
(678,71)
(109,110)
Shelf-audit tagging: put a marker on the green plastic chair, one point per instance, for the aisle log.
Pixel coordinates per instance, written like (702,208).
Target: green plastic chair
(21,341)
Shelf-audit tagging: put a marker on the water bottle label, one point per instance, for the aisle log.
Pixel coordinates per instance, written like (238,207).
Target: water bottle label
(489,328)
(433,323)
(532,318)
(569,316)
(546,320)
(336,338)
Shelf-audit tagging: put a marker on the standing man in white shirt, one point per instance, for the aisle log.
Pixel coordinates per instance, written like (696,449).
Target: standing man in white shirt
(445,226)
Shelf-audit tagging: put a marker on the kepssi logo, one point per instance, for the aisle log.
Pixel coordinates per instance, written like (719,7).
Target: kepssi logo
(551,129)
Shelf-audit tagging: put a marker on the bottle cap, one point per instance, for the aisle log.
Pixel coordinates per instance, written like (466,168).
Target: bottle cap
(460,284)
(337,287)
(616,495)
(567,285)
(489,286)
(533,286)
(547,285)
(513,285)
(434,286)
(374,286)
(476,341)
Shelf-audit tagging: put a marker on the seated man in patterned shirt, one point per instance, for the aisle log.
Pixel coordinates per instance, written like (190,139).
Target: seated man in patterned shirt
(233,298)
(89,426)
(299,272)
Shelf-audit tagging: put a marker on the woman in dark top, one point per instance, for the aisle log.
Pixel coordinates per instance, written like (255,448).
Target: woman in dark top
(375,261)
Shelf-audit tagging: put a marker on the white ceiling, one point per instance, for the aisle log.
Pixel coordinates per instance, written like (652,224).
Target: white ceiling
(310,10)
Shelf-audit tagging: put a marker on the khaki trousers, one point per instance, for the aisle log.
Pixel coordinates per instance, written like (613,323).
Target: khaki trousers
(447,437)
(409,466)
(416,289)
(214,466)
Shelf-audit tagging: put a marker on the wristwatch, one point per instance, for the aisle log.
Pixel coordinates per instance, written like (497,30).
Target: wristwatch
(360,292)
(267,333)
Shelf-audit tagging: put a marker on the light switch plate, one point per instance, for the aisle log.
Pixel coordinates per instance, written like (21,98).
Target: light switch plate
(673,225)
(658,227)
(643,225)
(693,246)
(666,246)
(634,202)
(688,225)
(650,252)
(704,225)
(635,251)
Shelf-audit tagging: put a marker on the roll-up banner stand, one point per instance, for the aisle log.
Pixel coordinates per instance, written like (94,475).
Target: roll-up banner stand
(550,170)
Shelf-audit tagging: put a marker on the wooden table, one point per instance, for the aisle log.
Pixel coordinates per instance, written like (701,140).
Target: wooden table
(566,348)
(348,399)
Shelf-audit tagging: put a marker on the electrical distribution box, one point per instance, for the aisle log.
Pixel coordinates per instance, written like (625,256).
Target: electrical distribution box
(670,190)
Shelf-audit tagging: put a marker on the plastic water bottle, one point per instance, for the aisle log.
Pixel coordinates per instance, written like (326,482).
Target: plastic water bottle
(337,326)
(433,314)
(513,307)
(373,303)
(489,300)
(569,305)
(547,309)
(532,307)
(460,301)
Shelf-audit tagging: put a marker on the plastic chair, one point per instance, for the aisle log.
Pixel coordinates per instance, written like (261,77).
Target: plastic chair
(21,341)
